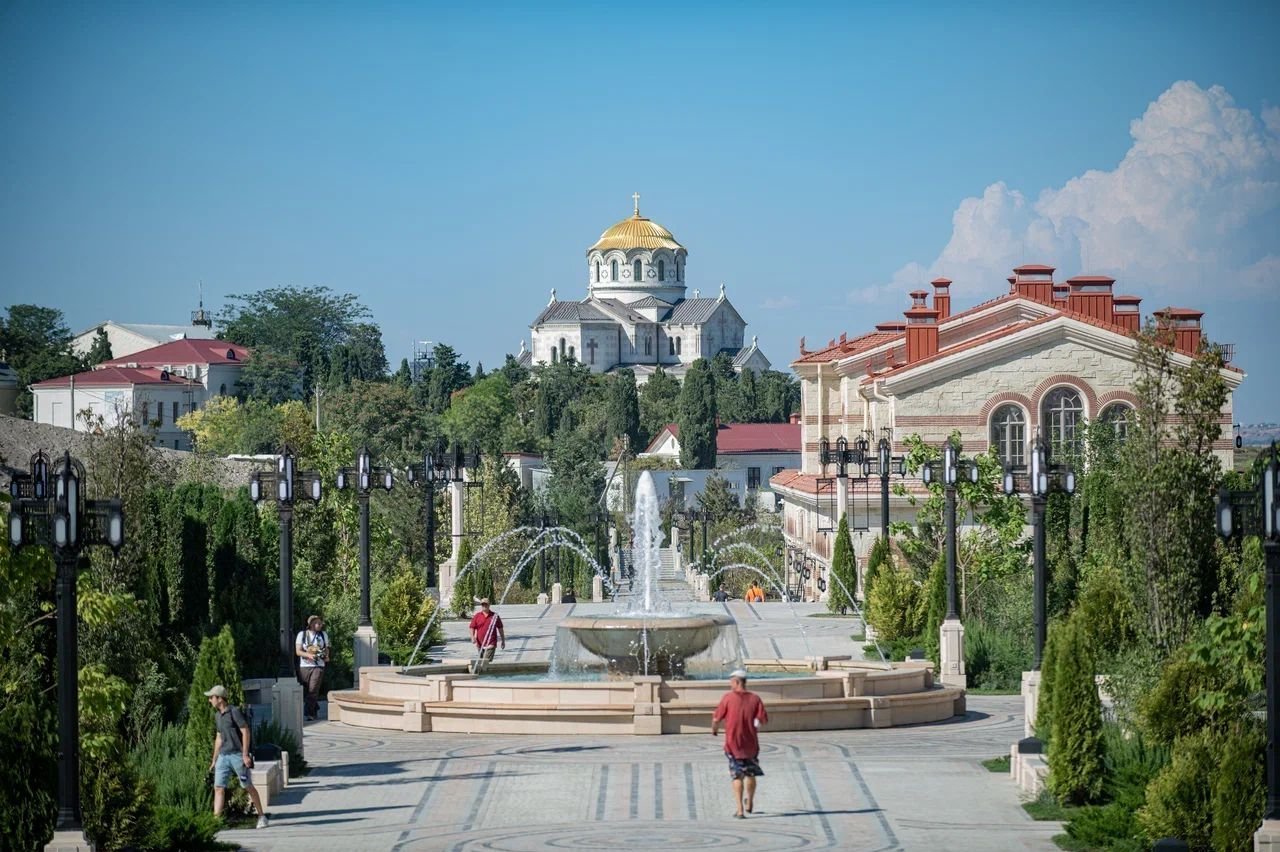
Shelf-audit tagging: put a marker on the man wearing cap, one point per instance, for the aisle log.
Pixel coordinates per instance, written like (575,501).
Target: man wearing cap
(312,648)
(231,752)
(742,713)
(486,632)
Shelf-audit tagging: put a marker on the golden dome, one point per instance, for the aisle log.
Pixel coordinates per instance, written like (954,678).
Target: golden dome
(636,232)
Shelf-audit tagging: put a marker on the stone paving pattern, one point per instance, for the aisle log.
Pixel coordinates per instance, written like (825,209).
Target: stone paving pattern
(899,788)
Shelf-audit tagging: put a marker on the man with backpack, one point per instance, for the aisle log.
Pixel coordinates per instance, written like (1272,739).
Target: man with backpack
(231,752)
(312,648)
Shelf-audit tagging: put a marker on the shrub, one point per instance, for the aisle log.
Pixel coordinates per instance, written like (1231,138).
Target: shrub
(273,733)
(116,803)
(993,659)
(1103,826)
(462,601)
(892,604)
(403,610)
(1044,701)
(934,601)
(1180,797)
(1131,762)
(881,555)
(1239,788)
(1169,711)
(215,665)
(843,568)
(177,780)
(178,829)
(1107,613)
(1075,758)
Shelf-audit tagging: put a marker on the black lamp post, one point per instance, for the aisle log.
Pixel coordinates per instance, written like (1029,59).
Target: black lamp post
(50,510)
(283,486)
(948,470)
(1044,478)
(1264,496)
(439,466)
(884,464)
(364,477)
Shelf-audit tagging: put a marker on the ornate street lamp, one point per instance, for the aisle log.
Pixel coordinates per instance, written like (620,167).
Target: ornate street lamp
(441,466)
(884,464)
(50,510)
(1238,510)
(949,470)
(365,477)
(284,486)
(1044,478)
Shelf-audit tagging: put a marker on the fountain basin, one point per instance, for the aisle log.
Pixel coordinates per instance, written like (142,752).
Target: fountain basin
(649,643)
(835,694)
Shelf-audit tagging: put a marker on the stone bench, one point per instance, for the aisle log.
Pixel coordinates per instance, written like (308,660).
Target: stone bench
(270,777)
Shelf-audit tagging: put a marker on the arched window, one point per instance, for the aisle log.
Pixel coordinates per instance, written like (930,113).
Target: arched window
(562,348)
(679,271)
(1118,415)
(648,345)
(572,356)
(597,270)
(671,346)
(613,270)
(677,346)
(555,355)
(662,270)
(1060,413)
(635,270)
(1009,435)
(222,390)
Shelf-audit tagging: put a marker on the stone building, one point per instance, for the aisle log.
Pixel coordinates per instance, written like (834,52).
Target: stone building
(1045,356)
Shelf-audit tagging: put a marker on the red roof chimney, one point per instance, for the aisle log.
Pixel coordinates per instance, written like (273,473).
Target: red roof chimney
(1060,294)
(795,418)
(922,328)
(1034,281)
(1091,296)
(1124,312)
(1184,325)
(1013,283)
(891,325)
(942,297)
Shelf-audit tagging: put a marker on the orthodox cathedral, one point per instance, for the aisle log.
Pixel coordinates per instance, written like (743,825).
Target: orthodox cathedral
(636,314)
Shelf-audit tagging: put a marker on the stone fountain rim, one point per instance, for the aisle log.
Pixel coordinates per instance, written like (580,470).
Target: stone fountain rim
(632,622)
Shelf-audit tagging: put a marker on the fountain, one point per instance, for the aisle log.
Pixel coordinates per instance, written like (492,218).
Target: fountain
(647,637)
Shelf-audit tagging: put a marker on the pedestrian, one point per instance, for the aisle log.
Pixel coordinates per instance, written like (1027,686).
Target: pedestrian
(312,648)
(742,713)
(486,633)
(721,595)
(231,752)
(755,594)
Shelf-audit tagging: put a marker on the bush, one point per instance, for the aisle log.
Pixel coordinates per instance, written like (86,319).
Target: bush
(1130,762)
(273,733)
(1105,826)
(1180,797)
(844,566)
(1169,711)
(892,604)
(881,555)
(215,665)
(462,601)
(403,610)
(177,780)
(182,831)
(115,803)
(1075,757)
(993,659)
(1239,788)
(1044,700)
(934,601)
(1106,610)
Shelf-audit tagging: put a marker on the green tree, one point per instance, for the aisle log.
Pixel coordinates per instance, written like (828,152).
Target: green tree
(462,601)
(893,604)
(623,414)
(215,665)
(100,350)
(719,501)
(779,395)
(402,613)
(659,404)
(934,602)
(478,413)
(748,398)
(1048,670)
(1075,756)
(728,400)
(448,374)
(697,418)
(880,555)
(36,342)
(844,568)
(577,477)
(403,376)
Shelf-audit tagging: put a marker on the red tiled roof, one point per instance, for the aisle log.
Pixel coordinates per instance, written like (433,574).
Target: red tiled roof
(1034,267)
(115,377)
(734,438)
(849,347)
(186,351)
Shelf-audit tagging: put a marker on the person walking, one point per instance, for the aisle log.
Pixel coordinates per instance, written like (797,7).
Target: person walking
(755,594)
(486,633)
(231,752)
(312,648)
(721,595)
(742,713)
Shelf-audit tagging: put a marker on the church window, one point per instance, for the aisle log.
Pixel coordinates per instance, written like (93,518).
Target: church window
(671,346)
(677,346)
(146,410)
(1009,435)
(648,345)
(597,270)
(613,270)
(571,353)
(222,390)
(1118,415)
(636,273)
(562,347)
(1061,412)
(662,270)
(591,350)
(555,355)
(679,271)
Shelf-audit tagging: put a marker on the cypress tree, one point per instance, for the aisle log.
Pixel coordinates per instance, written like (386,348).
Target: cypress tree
(462,601)
(843,569)
(1044,701)
(622,413)
(935,603)
(697,418)
(215,665)
(880,555)
(1076,767)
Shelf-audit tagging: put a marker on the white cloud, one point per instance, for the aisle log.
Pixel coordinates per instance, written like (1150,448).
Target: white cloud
(780,303)
(1194,204)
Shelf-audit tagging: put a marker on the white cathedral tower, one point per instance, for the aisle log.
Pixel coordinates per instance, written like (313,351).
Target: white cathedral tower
(636,313)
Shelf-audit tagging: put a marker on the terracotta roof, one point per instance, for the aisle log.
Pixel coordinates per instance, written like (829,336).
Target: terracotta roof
(188,351)
(846,348)
(116,377)
(736,438)
(1034,267)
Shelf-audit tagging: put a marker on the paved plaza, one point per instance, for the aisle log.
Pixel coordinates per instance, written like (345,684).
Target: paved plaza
(899,788)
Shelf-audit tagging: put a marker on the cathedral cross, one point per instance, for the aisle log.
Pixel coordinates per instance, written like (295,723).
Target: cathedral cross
(591,349)
(635,196)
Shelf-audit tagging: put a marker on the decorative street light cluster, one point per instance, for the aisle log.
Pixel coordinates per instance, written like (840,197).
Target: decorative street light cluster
(364,477)
(283,486)
(948,470)
(442,467)
(50,509)
(1045,477)
(1238,514)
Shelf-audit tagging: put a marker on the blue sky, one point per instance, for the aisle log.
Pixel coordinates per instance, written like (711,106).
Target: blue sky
(451,163)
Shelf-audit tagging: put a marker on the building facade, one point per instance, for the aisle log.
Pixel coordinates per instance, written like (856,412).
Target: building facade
(760,450)
(636,313)
(1044,357)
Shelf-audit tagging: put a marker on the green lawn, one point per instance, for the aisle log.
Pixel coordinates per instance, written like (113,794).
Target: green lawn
(997,764)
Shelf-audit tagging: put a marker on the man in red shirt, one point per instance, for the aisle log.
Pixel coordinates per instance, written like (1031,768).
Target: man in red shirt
(742,713)
(486,632)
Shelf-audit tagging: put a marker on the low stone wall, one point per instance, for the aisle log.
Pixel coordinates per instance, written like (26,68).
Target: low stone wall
(445,697)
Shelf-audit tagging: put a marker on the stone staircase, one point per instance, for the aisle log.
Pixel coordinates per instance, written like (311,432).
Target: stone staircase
(671,580)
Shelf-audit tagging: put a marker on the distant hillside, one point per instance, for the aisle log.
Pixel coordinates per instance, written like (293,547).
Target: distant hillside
(1260,434)
(20,439)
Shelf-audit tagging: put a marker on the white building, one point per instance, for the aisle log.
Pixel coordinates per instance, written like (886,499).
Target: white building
(760,450)
(636,314)
(157,385)
(1045,356)
(128,338)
